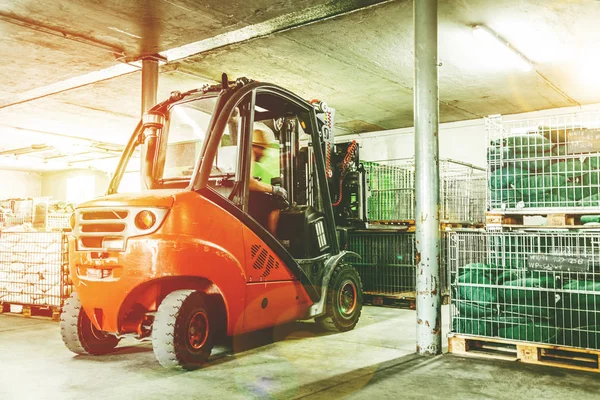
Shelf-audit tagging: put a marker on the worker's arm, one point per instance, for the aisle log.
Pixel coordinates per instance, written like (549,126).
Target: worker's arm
(258,186)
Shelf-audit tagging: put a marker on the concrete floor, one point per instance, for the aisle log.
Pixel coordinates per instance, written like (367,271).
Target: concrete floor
(294,361)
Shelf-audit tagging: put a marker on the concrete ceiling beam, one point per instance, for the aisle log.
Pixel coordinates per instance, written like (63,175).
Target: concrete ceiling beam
(272,26)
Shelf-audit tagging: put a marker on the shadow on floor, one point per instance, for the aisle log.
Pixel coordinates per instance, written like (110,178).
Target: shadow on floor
(228,346)
(452,377)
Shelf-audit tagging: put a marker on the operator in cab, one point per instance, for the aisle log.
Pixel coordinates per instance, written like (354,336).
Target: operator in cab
(266,199)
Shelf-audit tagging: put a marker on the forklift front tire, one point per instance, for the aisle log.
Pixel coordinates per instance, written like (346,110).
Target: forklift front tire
(79,334)
(183,330)
(344,300)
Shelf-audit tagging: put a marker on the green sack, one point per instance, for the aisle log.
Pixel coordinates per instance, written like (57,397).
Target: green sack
(591,178)
(506,178)
(590,219)
(478,327)
(506,276)
(509,197)
(592,162)
(590,201)
(498,154)
(479,280)
(575,191)
(538,313)
(559,198)
(539,163)
(528,292)
(468,309)
(529,145)
(585,301)
(532,332)
(571,168)
(587,337)
(534,187)
(561,150)
(580,309)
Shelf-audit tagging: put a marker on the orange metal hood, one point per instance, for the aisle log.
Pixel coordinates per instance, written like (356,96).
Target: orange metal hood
(148,198)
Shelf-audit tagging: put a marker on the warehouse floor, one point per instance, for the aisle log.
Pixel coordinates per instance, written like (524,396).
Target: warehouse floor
(373,361)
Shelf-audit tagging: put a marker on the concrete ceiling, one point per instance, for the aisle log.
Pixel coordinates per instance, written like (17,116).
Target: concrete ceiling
(357,55)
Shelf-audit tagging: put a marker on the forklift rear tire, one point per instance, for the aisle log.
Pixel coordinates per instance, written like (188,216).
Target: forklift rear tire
(344,300)
(183,330)
(79,334)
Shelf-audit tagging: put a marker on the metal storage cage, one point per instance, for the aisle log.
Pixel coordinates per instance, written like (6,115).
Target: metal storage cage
(34,269)
(15,212)
(544,164)
(387,266)
(541,287)
(388,263)
(56,222)
(391,185)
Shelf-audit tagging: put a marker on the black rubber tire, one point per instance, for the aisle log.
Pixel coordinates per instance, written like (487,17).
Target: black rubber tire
(78,333)
(171,327)
(343,276)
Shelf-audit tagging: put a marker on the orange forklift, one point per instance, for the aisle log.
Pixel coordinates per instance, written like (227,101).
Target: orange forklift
(186,260)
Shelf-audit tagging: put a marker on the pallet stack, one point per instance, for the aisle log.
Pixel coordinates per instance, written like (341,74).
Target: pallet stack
(533,279)
(33,271)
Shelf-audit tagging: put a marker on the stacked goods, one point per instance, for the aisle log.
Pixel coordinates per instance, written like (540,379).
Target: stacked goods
(61,208)
(33,268)
(15,212)
(509,297)
(544,167)
(392,191)
(58,215)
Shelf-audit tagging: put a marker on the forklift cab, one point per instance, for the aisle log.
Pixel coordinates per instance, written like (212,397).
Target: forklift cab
(302,229)
(205,140)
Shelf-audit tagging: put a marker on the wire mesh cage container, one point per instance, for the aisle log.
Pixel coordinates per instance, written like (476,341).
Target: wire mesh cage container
(56,222)
(15,212)
(34,269)
(392,191)
(462,193)
(387,266)
(541,287)
(545,164)
(388,262)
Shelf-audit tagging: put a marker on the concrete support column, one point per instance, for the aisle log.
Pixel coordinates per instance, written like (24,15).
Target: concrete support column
(426,114)
(149,83)
(149,92)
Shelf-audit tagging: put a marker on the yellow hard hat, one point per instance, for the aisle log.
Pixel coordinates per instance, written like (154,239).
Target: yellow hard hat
(263,136)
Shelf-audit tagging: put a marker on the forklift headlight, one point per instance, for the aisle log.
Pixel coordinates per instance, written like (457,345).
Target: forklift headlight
(145,220)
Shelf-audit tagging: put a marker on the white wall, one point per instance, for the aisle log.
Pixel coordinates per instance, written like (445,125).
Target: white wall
(18,184)
(54,184)
(465,141)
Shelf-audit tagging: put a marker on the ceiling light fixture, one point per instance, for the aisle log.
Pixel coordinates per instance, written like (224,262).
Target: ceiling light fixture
(505,54)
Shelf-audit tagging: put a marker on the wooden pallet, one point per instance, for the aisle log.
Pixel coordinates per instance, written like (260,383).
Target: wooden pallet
(546,221)
(28,311)
(405,225)
(410,225)
(396,300)
(530,353)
